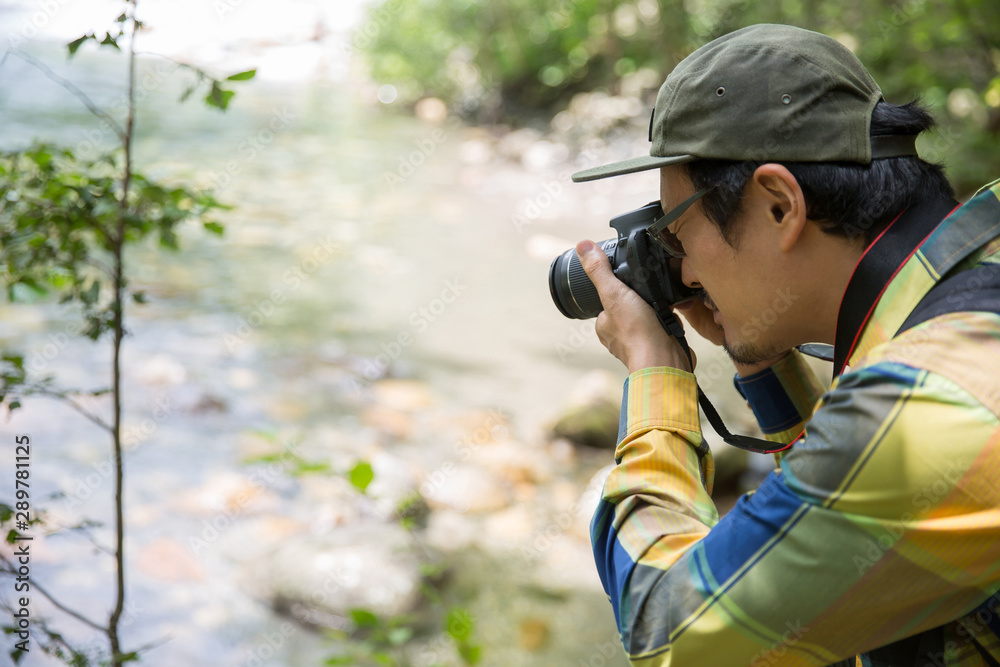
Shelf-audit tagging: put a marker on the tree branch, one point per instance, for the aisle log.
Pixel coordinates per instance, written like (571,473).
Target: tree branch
(100,266)
(172,60)
(85,532)
(73,404)
(65,83)
(58,605)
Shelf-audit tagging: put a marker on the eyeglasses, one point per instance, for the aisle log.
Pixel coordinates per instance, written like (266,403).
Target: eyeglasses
(668,240)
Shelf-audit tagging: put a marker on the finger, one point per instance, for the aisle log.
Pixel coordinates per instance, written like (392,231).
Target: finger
(598,269)
(702,320)
(601,325)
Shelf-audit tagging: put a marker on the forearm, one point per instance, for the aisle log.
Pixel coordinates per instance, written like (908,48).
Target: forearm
(656,503)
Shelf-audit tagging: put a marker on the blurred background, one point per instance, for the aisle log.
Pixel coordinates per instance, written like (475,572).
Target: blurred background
(357,429)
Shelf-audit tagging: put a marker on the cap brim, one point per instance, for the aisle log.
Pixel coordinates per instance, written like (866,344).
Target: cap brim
(642,163)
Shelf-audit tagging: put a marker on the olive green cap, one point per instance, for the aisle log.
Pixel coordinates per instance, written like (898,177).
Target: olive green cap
(766,92)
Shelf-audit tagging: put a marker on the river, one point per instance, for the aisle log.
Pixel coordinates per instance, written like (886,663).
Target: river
(380,293)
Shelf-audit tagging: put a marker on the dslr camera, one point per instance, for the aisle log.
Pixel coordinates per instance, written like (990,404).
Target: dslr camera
(637,260)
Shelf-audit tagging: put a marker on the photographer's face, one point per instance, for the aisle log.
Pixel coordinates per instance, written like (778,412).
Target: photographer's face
(745,298)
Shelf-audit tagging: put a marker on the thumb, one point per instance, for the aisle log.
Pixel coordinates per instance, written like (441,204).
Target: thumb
(598,268)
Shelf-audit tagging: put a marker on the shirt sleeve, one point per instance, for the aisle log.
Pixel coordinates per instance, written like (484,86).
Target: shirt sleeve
(782,397)
(883,521)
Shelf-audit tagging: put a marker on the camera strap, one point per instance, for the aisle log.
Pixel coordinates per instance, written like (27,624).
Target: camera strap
(879,264)
(668,320)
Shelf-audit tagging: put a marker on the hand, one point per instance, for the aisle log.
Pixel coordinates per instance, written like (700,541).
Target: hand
(627,326)
(701,319)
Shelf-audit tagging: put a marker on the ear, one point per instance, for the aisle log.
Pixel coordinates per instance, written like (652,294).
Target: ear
(780,196)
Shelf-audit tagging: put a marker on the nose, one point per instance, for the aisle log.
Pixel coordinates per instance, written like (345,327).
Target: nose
(688,276)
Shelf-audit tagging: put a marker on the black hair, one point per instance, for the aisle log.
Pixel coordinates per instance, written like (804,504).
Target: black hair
(845,198)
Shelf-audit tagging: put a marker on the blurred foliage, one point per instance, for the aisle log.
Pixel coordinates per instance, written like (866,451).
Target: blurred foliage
(65,223)
(382,640)
(504,61)
(59,218)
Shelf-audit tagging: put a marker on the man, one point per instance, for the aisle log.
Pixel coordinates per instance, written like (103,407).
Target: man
(877,541)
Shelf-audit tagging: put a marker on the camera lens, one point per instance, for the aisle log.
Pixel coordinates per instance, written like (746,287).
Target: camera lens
(573,293)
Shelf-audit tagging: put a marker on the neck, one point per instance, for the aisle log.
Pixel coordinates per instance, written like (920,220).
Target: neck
(830,270)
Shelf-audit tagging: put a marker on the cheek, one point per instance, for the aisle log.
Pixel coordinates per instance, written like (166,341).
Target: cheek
(743,307)
(729,289)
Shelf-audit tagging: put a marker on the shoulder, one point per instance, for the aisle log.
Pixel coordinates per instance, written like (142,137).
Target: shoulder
(963,348)
(918,412)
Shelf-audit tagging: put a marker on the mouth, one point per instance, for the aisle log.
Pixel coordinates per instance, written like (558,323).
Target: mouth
(716,315)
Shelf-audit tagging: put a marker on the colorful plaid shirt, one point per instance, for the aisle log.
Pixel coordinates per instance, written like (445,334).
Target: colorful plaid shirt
(881,523)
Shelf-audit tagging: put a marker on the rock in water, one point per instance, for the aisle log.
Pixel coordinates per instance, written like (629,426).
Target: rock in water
(591,416)
(594,424)
(465,488)
(319,579)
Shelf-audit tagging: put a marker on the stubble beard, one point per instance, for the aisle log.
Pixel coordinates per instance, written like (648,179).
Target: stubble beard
(746,353)
(749,354)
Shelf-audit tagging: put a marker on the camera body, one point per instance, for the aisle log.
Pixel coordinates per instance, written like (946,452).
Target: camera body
(636,259)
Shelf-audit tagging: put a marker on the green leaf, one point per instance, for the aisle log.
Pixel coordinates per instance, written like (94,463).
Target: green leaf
(15,360)
(459,624)
(42,158)
(139,297)
(262,458)
(362,618)
(304,467)
(399,636)
(26,291)
(110,41)
(361,475)
(91,294)
(218,97)
(77,43)
(339,660)
(168,239)
(470,653)
(214,227)
(243,76)
(187,93)
(6,512)
(122,18)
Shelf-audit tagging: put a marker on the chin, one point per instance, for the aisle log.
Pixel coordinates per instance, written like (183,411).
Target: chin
(748,353)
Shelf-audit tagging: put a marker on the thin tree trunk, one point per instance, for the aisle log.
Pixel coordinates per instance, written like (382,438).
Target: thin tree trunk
(119,333)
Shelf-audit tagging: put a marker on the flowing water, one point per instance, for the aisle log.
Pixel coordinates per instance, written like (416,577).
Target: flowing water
(365,246)
(330,276)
